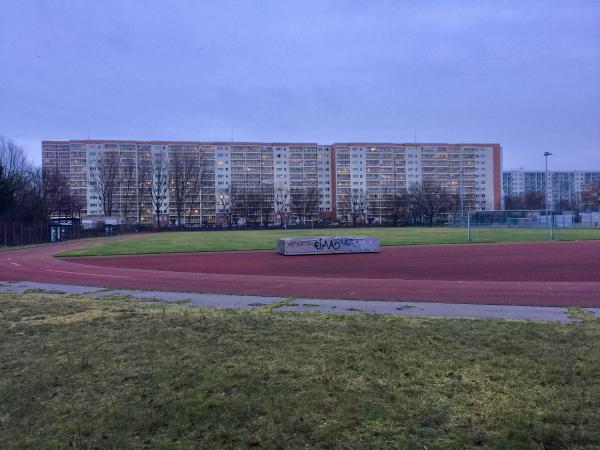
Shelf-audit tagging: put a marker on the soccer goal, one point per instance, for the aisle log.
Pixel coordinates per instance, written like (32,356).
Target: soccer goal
(521,225)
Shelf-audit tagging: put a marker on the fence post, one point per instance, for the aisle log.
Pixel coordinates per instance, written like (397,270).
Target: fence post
(551,226)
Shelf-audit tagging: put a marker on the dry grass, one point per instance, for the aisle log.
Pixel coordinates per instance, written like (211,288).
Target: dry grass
(82,373)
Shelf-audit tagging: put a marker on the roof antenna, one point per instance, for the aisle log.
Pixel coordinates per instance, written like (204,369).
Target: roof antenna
(415,135)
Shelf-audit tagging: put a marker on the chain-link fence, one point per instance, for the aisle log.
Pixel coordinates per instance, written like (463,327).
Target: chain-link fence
(489,226)
(17,234)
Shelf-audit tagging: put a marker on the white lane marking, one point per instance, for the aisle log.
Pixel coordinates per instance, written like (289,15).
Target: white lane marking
(15,263)
(89,274)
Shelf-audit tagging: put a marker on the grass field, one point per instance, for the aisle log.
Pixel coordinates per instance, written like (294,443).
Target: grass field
(82,373)
(265,239)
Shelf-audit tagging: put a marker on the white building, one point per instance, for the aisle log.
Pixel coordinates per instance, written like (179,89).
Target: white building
(558,186)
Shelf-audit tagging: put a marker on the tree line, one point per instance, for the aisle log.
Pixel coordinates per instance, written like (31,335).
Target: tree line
(27,194)
(587,201)
(422,203)
(131,188)
(264,205)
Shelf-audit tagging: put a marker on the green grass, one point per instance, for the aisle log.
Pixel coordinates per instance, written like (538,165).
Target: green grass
(265,239)
(87,373)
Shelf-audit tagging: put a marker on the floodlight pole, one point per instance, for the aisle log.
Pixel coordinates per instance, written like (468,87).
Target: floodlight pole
(546,154)
(460,187)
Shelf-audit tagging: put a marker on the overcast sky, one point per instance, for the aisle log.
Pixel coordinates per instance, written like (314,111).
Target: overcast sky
(525,74)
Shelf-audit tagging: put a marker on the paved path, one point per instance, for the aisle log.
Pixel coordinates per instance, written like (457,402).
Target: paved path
(412,309)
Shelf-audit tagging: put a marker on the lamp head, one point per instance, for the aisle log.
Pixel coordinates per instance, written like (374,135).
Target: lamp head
(547,154)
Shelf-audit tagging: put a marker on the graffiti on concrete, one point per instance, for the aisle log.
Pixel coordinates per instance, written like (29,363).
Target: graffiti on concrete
(327,244)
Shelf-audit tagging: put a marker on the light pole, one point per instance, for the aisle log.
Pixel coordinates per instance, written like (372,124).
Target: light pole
(546,154)
(460,187)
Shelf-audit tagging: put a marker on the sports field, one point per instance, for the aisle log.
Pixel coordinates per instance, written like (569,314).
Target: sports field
(181,242)
(88,373)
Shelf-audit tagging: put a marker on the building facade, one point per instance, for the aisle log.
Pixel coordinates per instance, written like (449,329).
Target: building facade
(370,176)
(559,187)
(199,183)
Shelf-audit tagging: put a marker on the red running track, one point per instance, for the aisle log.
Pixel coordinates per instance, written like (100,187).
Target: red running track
(548,274)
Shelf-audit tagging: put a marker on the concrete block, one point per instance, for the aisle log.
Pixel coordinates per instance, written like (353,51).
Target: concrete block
(325,245)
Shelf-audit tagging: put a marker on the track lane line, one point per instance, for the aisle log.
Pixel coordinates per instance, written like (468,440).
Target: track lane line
(88,274)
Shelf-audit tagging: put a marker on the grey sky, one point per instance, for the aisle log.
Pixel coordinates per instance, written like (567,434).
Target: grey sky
(525,74)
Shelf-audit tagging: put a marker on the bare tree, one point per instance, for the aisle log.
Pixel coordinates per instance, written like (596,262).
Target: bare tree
(359,199)
(395,206)
(266,204)
(415,197)
(435,200)
(282,204)
(224,203)
(35,197)
(21,197)
(105,180)
(160,184)
(71,206)
(513,202)
(182,180)
(28,194)
(59,201)
(304,203)
(255,205)
(128,184)
(199,180)
(252,205)
(460,203)
(590,196)
(239,204)
(572,205)
(6,192)
(343,207)
(526,200)
(13,159)
(55,192)
(143,199)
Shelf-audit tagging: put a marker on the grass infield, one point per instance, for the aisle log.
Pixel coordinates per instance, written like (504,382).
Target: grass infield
(83,373)
(175,242)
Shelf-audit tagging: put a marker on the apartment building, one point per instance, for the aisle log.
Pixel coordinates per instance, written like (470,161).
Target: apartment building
(370,175)
(294,177)
(298,181)
(560,187)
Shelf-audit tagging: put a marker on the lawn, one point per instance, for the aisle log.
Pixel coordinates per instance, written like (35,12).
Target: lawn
(83,373)
(265,239)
